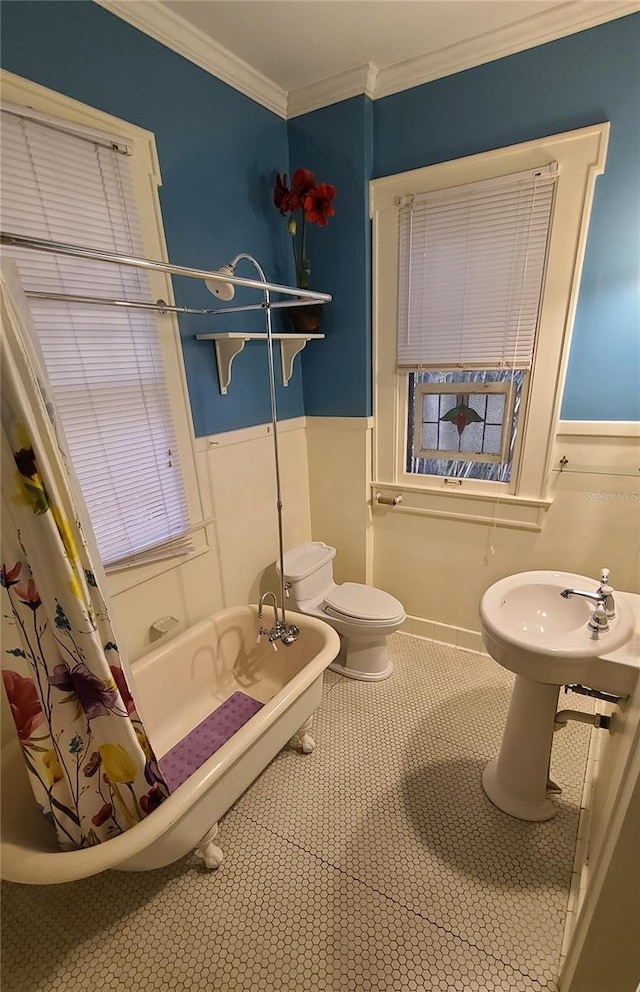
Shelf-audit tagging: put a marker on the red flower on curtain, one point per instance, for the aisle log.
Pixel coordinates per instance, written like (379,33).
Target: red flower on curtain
(29,595)
(25,704)
(10,576)
(123,688)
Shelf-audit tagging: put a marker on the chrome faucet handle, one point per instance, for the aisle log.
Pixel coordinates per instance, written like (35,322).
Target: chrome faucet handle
(599,621)
(607,593)
(291,634)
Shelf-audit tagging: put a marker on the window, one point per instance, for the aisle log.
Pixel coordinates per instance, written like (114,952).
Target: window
(105,364)
(476,272)
(471,267)
(464,424)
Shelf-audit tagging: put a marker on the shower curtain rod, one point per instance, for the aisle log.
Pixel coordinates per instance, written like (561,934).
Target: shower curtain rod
(160,306)
(99,255)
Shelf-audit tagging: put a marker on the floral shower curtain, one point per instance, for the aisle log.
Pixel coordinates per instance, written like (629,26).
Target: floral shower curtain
(91,766)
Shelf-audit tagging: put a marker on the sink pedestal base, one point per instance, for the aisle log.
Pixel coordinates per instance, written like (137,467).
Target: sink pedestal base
(516,781)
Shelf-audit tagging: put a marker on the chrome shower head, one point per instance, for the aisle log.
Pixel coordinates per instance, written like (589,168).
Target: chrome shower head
(223,290)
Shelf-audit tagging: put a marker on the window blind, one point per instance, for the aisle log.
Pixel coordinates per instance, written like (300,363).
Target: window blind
(471,267)
(104,364)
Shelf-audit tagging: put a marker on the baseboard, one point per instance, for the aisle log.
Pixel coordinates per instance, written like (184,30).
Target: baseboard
(443,633)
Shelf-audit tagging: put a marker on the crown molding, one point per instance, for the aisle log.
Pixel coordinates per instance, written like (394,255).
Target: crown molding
(571,17)
(162,24)
(353,82)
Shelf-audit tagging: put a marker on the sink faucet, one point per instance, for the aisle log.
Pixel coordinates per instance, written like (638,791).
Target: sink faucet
(603,598)
(281,630)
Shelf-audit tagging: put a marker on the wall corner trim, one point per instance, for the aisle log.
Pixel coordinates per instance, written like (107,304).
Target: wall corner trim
(162,24)
(360,80)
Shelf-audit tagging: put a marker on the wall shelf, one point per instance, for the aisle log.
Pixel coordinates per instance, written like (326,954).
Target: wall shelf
(230,343)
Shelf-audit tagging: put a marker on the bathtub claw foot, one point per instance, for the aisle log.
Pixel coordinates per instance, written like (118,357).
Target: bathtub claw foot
(208,851)
(307,743)
(303,738)
(212,856)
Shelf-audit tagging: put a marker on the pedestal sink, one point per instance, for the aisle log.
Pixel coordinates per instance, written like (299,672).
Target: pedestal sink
(544,639)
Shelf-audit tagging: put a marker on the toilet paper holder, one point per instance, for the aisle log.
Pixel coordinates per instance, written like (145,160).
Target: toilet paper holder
(388,500)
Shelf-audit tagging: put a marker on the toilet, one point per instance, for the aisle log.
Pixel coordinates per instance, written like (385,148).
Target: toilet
(362,615)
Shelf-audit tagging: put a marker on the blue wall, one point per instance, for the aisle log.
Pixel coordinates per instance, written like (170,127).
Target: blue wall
(219,152)
(584,79)
(337,144)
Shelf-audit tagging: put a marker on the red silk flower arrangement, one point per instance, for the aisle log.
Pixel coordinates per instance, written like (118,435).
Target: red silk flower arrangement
(314,202)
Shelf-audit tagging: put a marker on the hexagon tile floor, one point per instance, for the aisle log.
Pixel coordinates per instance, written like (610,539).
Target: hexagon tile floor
(376,863)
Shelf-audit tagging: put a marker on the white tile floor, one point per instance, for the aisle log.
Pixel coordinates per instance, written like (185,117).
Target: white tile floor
(375,863)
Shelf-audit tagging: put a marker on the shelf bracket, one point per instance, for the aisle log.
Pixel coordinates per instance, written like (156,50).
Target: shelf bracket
(226,351)
(230,344)
(289,348)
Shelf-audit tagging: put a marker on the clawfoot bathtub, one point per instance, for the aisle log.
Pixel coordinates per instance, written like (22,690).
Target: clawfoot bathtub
(178,686)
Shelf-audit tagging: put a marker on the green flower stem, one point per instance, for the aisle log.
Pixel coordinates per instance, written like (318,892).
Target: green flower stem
(36,671)
(112,803)
(48,709)
(138,808)
(123,806)
(304,281)
(295,257)
(52,802)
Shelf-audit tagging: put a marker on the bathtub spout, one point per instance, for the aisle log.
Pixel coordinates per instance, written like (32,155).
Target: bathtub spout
(266,595)
(288,633)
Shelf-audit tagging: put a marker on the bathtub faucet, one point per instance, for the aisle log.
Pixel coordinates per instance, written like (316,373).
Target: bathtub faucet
(281,630)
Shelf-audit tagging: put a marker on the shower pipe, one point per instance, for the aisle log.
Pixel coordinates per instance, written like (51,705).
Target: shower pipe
(274,429)
(225,277)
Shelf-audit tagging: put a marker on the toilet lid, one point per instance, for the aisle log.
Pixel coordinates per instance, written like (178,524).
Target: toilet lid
(352,599)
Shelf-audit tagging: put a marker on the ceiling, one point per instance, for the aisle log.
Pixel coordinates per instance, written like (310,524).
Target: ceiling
(298,42)
(295,55)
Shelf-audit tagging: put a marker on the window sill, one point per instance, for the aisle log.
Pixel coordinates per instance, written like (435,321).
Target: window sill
(122,579)
(498,510)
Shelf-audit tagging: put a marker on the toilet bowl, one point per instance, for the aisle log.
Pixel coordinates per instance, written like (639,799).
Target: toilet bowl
(362,615)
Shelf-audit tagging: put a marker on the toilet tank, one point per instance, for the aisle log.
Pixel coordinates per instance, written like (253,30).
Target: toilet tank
(309,570)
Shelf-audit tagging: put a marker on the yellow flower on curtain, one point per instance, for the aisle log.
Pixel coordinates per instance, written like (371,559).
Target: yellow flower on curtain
(74,587)
(52,767)
(118,765)
(66,534)
(143,741)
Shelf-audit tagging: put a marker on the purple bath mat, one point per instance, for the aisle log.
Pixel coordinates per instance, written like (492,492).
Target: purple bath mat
(214,731)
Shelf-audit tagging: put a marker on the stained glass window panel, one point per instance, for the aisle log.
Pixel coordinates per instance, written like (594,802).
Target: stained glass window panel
(464,424)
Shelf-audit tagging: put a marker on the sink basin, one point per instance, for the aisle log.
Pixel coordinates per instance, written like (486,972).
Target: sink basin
(528,628)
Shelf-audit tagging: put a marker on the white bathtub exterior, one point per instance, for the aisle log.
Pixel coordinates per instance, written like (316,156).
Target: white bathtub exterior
(178,685)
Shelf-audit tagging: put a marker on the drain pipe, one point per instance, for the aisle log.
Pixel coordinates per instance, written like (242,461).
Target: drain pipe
(595,719)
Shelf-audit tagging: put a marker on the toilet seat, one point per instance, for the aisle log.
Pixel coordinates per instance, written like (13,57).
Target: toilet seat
(360,604)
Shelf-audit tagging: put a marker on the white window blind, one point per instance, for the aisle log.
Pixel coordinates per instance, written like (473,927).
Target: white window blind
(104,363)
(471,266)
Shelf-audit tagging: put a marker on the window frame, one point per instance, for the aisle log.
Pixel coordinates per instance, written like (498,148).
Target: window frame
(146,177)
(461,388)
(581,157)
